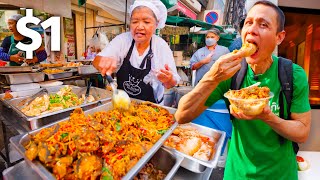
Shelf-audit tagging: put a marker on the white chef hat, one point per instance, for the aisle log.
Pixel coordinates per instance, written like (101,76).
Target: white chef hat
(15,17)
(158,8)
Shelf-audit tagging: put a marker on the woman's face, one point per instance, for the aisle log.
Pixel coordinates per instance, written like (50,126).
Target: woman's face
(143,24)
(12,25)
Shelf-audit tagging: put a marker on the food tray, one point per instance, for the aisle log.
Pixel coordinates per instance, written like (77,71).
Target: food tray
(166,161)
(22,78)
(20,140)
(196,165)
(87,69)
(101,95)
(15,69)
(60,75)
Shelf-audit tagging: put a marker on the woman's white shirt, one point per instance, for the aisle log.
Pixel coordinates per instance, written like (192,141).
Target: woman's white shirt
(162,54)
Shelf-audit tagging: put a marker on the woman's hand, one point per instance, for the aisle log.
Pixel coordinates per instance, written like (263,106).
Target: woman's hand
(166,77)
(105,65)
(16,58)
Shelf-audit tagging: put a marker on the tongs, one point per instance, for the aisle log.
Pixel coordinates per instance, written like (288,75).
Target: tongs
(120,99)
(87,92)
(28,100)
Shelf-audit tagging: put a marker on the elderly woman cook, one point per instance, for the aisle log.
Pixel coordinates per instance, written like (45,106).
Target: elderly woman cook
(143,61)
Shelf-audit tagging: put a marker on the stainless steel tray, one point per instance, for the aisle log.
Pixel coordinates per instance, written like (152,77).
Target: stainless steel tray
(87,69)
(15,69)
(22,78)
(196,165)
(166,161)
(19,141)
(101,95)
(60,75)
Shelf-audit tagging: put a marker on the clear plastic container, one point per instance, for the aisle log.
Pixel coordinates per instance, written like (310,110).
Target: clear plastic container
(250,107)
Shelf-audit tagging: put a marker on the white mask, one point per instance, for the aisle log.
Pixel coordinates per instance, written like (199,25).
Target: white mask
(210,41)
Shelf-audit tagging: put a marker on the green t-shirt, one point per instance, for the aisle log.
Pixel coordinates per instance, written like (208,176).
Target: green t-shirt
(255,151)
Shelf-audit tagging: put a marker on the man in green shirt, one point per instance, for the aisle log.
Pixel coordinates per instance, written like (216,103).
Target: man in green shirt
(255,151)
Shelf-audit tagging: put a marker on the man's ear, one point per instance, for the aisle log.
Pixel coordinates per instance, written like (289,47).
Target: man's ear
(280,37)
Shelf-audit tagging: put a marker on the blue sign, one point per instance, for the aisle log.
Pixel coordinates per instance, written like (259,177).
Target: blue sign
(211,17)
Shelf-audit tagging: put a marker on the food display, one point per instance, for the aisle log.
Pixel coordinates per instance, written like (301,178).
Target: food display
(7,95)
(250,101)
(63,99)
(247,49)
(303,164)
(188,140)
(150,172)
(73,64)
(53,71)
(48,65)
(104,145)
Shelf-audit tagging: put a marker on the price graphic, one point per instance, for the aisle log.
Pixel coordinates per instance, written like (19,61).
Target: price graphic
(53,22)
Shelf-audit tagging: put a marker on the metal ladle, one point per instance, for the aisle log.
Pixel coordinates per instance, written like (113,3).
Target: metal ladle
(120,99)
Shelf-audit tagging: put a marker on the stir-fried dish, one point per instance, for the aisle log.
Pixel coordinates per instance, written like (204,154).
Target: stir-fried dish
(254,92)
(63,99)
(104,145)
(150,172)
(188,140)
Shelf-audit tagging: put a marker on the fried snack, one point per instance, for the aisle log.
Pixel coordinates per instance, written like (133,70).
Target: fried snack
(150,172)
(249,101)
(7,95)
(246,50)
(47,65)
(53,71)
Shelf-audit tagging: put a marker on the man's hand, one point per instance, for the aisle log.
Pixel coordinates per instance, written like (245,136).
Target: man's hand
(207,59)
(166,77)
(224,68)
(105,65)
(264,115)
(32,61)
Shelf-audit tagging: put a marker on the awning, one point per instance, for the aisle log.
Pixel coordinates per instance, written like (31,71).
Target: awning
(183,21)
(56,7)
(179,6)
(169,3)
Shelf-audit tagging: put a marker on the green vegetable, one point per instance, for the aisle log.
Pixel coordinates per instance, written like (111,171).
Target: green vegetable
(118,126)
(107,174)
(64,135)
(156,109)
(162,131)
(105,169)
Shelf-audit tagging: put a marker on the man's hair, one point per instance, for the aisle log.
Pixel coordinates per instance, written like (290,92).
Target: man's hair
(280,14)
(214,30)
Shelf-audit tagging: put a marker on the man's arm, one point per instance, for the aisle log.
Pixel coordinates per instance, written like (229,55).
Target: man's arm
(296,130)
(202,62)
(192,104)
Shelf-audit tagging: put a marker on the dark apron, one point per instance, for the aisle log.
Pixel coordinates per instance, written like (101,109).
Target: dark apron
(14,50)
(130,79)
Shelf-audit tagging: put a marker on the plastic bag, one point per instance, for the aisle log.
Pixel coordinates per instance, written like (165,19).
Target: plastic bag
(99,41)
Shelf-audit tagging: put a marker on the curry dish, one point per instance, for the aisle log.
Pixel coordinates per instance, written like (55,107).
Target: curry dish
(104,145)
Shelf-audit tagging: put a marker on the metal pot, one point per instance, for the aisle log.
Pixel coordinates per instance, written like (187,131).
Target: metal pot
(179,92)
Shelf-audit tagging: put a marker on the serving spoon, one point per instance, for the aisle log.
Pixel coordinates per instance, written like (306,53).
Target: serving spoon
(255,84)
(120,99)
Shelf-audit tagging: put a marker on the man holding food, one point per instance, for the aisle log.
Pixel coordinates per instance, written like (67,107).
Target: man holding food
(255,151)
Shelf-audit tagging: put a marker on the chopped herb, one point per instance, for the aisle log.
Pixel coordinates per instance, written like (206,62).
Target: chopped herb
(162,131)
(107,178)
(105,169)
(64,135)
(156,109)
(118,126)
